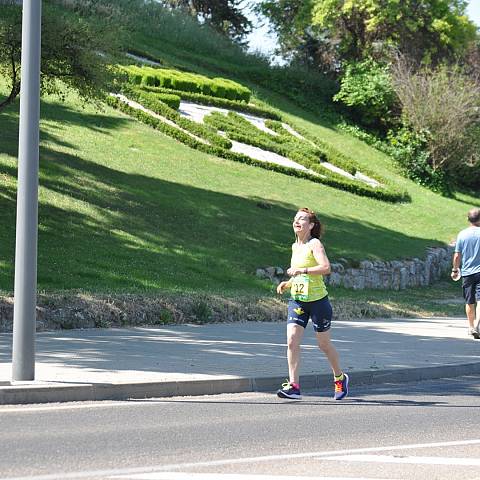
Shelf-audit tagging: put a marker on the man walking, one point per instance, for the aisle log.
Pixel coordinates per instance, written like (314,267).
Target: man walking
(466,263)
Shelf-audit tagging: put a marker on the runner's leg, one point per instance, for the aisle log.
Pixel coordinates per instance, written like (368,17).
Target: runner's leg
(294,339)
(326,346)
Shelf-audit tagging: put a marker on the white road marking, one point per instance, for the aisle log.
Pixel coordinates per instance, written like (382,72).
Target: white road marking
(474,462)
(237,461)
(228,476)
(54,408)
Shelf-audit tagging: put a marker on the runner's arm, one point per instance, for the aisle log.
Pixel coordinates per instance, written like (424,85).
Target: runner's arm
(323,267)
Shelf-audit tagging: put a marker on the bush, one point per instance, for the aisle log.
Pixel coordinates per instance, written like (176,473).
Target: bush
(468,176)
(441,106)
(389,193)
(173,101)
(410,151)
(366,88)
(304,153)
(219,102)
(152,102)
(241,130)
(187,82)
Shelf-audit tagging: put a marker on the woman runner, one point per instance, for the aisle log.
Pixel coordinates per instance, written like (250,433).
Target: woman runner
(309,299)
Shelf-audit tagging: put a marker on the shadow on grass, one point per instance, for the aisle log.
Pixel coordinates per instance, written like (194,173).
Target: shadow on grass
(472,200)
(55,117)
(101,229)
(110,230)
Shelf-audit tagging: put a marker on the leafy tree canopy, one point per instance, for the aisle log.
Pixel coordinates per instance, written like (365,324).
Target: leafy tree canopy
(75,49)
(225,16)
(426,31)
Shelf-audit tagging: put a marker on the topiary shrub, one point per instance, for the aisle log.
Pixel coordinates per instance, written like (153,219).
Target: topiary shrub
(150,81)
(188,82)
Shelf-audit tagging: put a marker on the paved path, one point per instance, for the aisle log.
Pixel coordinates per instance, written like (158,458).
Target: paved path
(193,359)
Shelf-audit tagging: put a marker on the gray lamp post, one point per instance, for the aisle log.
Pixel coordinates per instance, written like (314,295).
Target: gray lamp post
(24,316)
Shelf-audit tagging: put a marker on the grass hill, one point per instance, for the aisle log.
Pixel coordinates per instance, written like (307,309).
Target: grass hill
(124,208)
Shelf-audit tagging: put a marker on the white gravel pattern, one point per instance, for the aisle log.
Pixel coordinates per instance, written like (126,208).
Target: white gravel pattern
(197,113)
(138,106)
(254,152)
(264,156)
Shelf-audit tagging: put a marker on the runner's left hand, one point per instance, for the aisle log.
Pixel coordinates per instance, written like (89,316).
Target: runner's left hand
(292,271)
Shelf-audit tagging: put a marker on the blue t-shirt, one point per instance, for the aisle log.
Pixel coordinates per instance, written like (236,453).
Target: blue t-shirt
(468,244)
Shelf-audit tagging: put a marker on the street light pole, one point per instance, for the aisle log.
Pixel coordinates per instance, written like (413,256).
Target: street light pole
(24,315)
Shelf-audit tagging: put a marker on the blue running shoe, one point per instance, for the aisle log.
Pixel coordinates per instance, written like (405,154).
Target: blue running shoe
(341,388)
(288,390)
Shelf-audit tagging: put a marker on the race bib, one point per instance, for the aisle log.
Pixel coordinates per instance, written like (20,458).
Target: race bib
(299,289)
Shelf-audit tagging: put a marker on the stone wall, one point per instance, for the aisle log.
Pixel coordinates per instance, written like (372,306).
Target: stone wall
(390,275)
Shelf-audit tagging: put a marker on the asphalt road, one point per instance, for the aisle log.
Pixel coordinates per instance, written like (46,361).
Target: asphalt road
(425,430)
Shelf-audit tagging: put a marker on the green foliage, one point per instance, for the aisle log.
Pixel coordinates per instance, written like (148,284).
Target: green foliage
(328,32)
(225,16)
(218,102)
(442,106)
(165,35)
(410,150)
(468,176)
(309,153)
(201,311)
(366,88)
(173,101)
(153,102)
(70,50)
(238,128)
(424,30)
(187,82)
(365,136)
(387,194)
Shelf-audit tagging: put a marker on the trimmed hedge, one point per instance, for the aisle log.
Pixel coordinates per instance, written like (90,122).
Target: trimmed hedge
(304,153)
(330,154)
(188,82)
(327,177)
(336,158)
(173,101)
(333,156)
(241,130)
(218,102)
(150,101)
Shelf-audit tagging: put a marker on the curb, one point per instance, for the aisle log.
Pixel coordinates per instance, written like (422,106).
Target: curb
(31,393)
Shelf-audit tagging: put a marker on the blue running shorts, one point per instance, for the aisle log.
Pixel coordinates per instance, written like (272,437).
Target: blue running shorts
(320,311)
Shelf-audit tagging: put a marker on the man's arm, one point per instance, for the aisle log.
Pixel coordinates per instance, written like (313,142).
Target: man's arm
(456,262)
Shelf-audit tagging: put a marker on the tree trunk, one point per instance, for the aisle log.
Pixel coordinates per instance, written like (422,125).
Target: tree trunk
(13,95)
(15,79)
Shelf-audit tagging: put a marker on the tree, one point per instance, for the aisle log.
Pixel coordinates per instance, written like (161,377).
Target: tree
(443,106)
(74,50)
(298,40)
(225,16)
(427,31)
(424,30)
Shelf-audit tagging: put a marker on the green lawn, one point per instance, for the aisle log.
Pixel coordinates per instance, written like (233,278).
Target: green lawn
(124,208)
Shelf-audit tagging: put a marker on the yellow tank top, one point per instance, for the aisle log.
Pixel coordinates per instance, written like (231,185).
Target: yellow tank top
(306,288)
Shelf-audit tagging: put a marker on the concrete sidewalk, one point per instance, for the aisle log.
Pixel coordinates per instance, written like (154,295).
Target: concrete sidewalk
(220,358)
